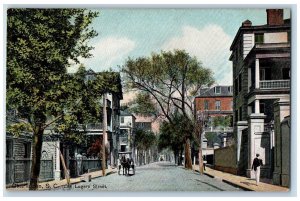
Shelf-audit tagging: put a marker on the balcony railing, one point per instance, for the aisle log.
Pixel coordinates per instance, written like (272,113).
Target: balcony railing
(218,129)
(97,126)
(274,84)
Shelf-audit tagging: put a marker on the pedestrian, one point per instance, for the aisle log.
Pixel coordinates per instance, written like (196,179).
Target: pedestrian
(257,162)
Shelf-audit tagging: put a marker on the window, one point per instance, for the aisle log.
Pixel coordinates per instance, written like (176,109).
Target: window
(262,74)
(9,149)
(240,82)
(229,89)
(26,150)
(217,90)
(123,148)
(236,85)
(122,120)
(259,38)
(218,105)
(265,74)
(286,73)
(240,114)
(261,107)
(205,105)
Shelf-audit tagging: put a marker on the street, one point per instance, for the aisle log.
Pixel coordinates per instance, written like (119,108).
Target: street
(159,176)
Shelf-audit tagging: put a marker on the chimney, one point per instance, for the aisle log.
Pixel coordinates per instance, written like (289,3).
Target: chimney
(247,23)
(275,17)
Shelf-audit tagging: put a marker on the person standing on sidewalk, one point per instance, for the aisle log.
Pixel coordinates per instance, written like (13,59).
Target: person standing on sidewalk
(257,162)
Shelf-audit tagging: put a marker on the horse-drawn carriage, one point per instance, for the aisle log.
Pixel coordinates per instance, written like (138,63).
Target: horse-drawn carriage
(126,163)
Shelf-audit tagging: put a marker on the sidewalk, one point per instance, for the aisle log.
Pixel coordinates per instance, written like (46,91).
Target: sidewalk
(242,182)
(62,183)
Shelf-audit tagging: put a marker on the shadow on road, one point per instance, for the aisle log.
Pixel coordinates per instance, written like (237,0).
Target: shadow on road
(209,184)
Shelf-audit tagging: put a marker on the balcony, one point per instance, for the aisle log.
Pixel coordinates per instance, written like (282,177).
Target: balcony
(274,84)
(94,126)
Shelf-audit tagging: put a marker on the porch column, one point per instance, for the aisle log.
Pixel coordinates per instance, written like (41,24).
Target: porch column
(257,74)
(257,109)
(258,143)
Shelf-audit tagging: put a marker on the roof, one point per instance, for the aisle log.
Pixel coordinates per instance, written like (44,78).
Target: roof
(261,28)
(126,113)
(210,92)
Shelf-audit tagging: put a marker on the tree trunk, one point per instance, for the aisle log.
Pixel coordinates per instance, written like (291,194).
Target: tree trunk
(180,157)
(37,143)
(188,158)
(104,123)
(201,169)
(200,160)
(176,157)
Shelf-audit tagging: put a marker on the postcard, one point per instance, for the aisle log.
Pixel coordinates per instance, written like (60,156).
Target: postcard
(148,99)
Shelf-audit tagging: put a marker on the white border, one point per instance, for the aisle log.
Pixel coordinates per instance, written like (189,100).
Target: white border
(164,3)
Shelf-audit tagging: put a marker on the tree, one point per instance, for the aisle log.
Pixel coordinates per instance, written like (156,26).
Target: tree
(144,140)
(222,121)
(171,79)
(171,135)
(40,44)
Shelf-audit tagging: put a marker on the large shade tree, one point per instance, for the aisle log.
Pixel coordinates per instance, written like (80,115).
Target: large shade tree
(171,79)
(40,45)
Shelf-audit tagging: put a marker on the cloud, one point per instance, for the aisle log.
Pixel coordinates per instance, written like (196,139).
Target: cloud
(108,53)
(210,45)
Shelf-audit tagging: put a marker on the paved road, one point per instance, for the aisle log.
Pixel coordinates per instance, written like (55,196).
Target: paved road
(160,176)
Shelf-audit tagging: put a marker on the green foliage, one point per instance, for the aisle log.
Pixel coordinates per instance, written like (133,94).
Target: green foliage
(143,105)
(40,44)
(173,134)
(143,140)
(222,121)
(171,79)
(18,128)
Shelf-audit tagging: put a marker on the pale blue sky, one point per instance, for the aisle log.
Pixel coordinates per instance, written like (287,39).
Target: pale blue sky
(204,33)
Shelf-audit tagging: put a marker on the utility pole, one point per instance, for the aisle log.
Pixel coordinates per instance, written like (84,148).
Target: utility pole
(200,125)
(104,123)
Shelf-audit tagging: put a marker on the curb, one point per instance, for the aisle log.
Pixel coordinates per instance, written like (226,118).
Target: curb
(227,181)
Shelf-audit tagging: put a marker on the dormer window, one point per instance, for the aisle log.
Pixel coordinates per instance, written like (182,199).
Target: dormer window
(217,90)
(259,38)
(229,89)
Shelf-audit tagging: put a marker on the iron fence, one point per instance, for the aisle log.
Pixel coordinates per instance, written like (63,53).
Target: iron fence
(18,170)
(80,166)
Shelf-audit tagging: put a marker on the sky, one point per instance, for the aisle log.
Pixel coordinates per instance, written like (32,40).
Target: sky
(204,33)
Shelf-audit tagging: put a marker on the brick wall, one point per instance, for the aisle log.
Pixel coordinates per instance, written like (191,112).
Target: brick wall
(225,103)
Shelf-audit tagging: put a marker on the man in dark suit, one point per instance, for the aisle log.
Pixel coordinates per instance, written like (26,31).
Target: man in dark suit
(257,162)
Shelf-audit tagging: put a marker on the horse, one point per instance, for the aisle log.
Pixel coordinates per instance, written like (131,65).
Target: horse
(124,164)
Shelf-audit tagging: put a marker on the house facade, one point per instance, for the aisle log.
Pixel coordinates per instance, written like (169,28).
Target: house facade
(215,101)
(261,77)
(127,125)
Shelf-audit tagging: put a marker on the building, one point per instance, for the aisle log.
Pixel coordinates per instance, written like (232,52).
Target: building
(261,88)
(19,155)
(215,101)
(94,130)
(127,125)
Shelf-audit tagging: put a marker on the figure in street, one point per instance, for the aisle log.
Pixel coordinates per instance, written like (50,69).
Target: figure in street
(257,162)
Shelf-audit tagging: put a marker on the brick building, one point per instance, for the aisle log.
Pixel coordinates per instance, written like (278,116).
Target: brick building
(215,101)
